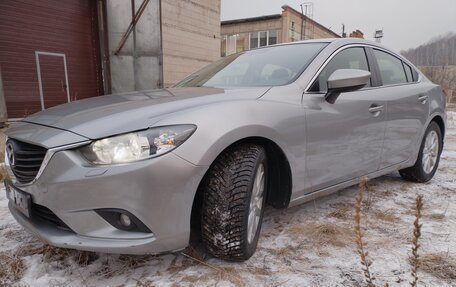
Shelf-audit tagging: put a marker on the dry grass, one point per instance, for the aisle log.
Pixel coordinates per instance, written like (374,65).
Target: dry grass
(146,283)
(11,268)
(385,194)
(3,173)
(123,263)
(363,254)
(332,234)
(385,216)
(230,274)
(2,144)
(12,265)
(322,234)
(437,216)
(56,254)
(179,265)
(440,265)
(341,210)
(414,260)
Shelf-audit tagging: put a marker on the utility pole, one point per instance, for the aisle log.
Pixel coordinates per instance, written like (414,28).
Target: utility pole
(306,12)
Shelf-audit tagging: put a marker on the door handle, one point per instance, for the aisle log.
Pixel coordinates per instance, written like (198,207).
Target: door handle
(423,99)
(375,109)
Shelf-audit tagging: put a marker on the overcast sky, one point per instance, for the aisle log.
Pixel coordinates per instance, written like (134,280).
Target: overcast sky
(406,23)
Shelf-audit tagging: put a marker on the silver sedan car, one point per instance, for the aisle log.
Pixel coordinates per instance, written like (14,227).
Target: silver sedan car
(141,172)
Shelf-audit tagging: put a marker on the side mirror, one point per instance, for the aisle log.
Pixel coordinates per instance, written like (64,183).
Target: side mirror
(345,80)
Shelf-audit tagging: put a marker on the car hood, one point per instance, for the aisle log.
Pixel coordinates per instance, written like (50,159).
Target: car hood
(104,116)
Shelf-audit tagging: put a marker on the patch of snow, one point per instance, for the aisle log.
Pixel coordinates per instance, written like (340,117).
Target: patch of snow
(451,119)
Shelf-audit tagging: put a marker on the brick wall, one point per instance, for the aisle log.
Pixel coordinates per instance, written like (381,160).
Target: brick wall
(357,34)
(246,27)
(311,28)
(190,37)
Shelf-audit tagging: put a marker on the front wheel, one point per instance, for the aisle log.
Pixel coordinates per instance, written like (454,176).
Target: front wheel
(233,202)
(428,158)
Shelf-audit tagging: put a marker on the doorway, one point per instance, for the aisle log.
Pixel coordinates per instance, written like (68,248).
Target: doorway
(53,83)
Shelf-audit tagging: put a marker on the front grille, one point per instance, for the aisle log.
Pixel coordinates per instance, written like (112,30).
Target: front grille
(24,159)
(45,214)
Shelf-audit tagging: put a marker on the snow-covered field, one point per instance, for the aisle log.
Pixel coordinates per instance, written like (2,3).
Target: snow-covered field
(308,245)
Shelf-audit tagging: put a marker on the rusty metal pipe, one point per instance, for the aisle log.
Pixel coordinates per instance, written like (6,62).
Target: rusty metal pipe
(131,26)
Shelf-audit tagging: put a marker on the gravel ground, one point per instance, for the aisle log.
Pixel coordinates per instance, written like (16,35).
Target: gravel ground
(308,245)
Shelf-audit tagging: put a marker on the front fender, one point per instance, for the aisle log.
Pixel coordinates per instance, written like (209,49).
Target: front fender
(222,125)
(219,126)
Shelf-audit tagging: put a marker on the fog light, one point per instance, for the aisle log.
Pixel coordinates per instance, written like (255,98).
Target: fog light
(125,220)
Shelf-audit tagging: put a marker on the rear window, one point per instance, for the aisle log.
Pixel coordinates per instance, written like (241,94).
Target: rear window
(391,68)
(408,72)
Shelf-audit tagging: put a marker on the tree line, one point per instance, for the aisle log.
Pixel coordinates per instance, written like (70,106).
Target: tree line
(440,51)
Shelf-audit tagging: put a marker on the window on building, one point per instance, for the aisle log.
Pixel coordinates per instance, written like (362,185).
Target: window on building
(263,38)
(254,40)
(244,41)
(223,46)
(272,37)
(231,45)
(391,68)
(240,43)
(351,58)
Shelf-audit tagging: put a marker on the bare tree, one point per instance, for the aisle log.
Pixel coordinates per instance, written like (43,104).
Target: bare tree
(440,51)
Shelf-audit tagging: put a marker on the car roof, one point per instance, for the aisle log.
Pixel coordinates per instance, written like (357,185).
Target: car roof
(336,43)
(339,41)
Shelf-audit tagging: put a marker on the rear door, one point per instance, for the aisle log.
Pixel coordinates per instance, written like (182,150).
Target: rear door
(407,107)
(344,139)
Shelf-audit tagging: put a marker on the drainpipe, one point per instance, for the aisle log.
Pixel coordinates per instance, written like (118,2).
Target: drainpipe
(302,20)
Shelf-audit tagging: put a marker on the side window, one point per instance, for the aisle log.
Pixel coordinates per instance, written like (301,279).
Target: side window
(408,72)
(351,58)
(391,68)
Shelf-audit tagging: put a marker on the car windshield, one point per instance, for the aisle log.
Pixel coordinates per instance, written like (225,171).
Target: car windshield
(271,66)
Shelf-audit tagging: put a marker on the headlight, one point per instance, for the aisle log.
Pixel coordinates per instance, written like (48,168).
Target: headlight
(138,145)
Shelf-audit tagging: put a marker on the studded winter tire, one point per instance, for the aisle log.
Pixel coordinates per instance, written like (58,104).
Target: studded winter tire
(233,202)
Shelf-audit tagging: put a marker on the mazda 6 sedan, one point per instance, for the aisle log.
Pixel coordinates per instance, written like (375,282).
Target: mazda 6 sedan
(141,172)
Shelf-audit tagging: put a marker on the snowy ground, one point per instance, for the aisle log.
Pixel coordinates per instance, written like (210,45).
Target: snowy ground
(308,245)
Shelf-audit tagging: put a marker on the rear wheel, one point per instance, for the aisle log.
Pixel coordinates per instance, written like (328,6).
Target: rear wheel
(428,158)
(233,202)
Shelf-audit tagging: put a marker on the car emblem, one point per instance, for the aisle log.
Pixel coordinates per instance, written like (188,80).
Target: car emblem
(10,154)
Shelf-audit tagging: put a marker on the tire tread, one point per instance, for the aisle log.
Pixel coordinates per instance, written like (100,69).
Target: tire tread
(225,200)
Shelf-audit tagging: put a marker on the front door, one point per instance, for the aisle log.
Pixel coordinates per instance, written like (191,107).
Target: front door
(344,139)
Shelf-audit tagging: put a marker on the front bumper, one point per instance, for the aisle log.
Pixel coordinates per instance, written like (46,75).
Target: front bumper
(159,192)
